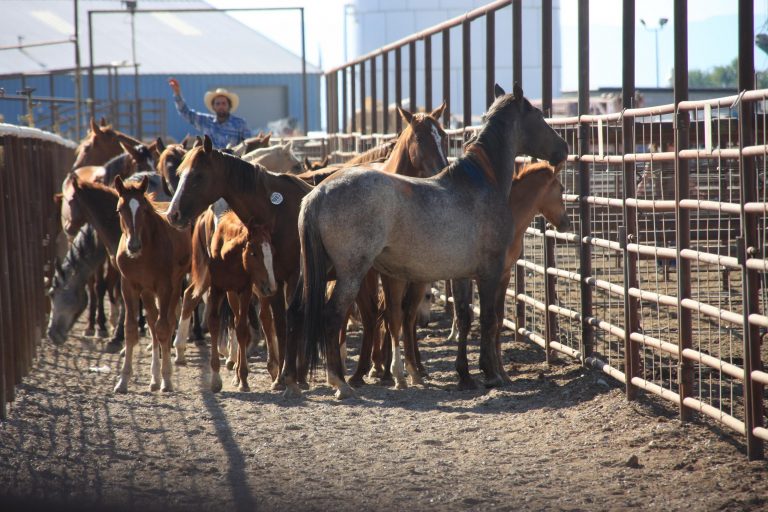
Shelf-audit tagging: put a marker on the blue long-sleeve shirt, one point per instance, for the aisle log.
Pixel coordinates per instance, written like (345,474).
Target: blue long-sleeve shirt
(233,130)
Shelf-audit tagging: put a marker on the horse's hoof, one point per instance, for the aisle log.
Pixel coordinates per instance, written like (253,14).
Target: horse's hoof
(216,383)
(292,391)
(113,347)
(345,391)
(356,381)
(122,386)
(423,372)
(416,379)
(103,333)
(180,361)
(230,364)
(375,373)
(277,386)
(167,387)
(154,386)
(495,381)
(303,385)
(467,384)
(401,384)
(235,380)
(244,387)
(89,331)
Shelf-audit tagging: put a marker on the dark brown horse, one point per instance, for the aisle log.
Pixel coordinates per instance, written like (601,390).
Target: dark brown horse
(535,190)
(236,260)
(455,225)
(153,259)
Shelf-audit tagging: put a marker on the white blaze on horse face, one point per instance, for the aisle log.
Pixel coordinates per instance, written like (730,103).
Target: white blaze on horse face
(267,251)
(133,204)
(173,206)
(438,142)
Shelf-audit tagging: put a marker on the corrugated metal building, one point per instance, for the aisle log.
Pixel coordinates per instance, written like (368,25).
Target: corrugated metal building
(202,50)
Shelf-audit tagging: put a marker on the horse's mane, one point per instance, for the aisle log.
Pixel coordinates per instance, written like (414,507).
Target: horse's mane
(113,167)
(83,248)
(92,185)
(379,152)
(246,175)
(533,168)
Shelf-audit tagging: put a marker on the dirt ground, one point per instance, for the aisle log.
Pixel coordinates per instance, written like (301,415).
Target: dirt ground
(558,438)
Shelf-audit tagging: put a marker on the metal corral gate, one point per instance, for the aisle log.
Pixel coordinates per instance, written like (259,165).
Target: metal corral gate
(663,282)
(32,167)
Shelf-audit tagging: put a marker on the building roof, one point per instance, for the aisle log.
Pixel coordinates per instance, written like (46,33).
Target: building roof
(183,43)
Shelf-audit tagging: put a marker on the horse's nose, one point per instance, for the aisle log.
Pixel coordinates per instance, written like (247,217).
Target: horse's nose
(173,215)
(134,245)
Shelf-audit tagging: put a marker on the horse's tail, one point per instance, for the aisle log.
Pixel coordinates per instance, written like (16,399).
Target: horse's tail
(200,258)
(313,264)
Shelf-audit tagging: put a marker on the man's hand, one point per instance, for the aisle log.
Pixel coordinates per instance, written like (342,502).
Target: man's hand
(175,87)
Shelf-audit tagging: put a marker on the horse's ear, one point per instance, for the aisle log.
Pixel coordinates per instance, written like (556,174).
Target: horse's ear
(207,144)
(498,91)
(130,150)
(307,164)
(197,142)
(288,145)
(160,145)
(324,161)
(438,112)
(407,116)
(266,137)
(517,91)
(94,127)
(119,185)
(103,121)
(144,185)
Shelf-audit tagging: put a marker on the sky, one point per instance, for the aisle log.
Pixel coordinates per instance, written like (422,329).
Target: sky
(324,20)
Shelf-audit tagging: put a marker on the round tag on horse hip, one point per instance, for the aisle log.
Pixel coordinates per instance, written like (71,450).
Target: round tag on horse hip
(276,198)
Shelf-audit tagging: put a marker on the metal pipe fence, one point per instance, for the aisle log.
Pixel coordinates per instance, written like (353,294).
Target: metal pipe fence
(32,167)
(663,282)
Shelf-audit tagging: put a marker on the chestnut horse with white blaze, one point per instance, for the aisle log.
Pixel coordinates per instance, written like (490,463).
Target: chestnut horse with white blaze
(153,258)
(229,257)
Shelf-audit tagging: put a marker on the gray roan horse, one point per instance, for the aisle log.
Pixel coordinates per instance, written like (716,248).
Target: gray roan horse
(453,225)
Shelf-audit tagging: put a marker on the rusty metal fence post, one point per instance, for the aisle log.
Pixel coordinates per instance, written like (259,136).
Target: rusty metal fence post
(32,165)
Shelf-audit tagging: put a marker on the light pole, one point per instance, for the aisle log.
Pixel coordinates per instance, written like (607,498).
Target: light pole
(655,30)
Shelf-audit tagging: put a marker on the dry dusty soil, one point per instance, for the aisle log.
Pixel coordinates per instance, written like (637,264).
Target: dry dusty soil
(558,438)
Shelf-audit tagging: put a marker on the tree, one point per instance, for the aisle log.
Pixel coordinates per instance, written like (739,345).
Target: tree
(726,77)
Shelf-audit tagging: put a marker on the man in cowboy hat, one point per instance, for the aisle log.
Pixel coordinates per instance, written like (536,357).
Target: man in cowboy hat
(220,125)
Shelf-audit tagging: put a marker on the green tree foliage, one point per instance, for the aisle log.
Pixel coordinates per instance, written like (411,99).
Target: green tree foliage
(722,77)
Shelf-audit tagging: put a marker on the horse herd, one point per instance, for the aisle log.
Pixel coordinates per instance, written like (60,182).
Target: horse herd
(180,225)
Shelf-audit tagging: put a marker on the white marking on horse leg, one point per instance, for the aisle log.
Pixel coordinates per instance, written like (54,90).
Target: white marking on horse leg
(343,390)
(154,383)
(125,374)
(268,264)
(454,336)
(231,348)
(398,372)
(166,384)
(180,342)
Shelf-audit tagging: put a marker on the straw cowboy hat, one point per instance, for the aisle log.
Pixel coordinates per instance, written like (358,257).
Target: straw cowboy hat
(234,99)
